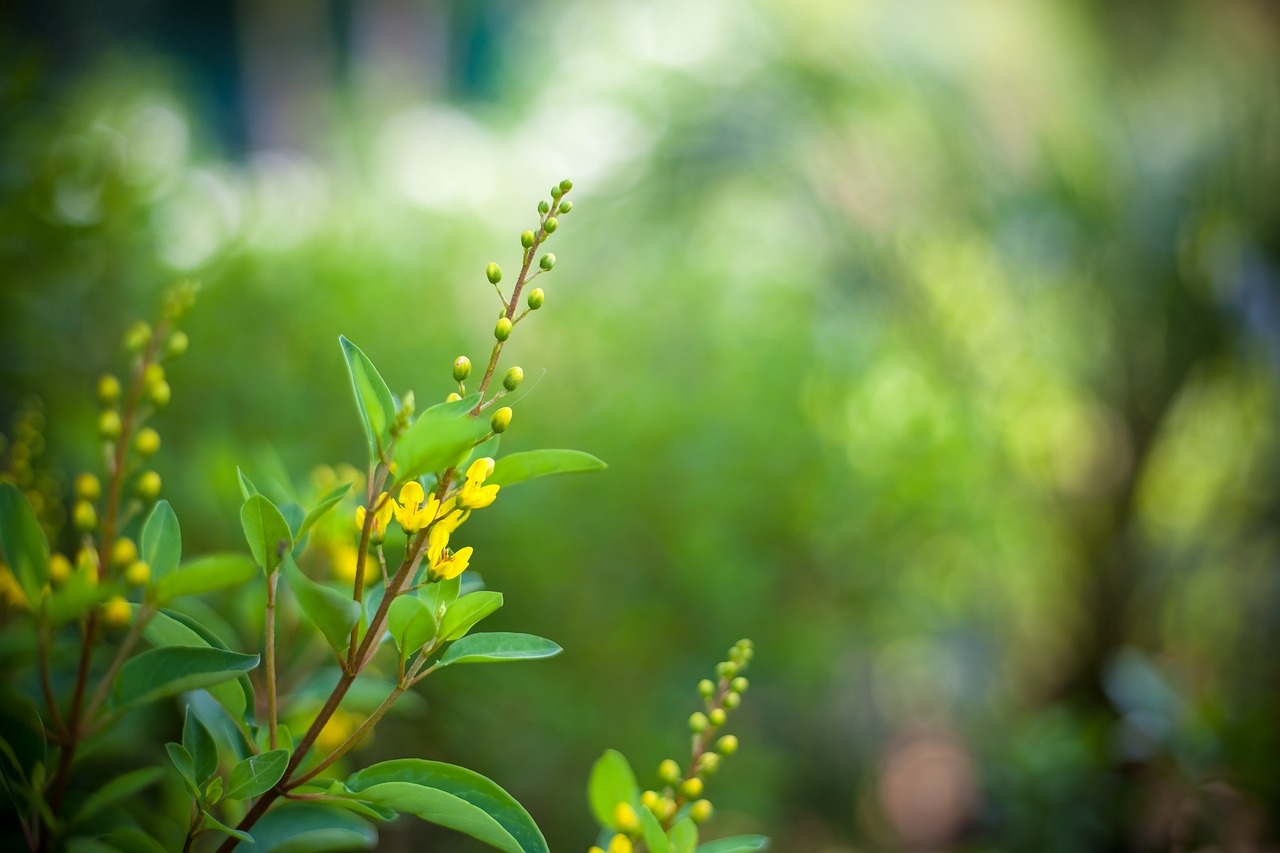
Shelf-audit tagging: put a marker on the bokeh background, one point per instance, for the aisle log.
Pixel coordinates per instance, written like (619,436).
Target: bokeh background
(933,346)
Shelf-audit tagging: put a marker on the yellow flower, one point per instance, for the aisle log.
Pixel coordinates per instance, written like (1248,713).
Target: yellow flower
(344,557)
(336,730)
(474,495)
(381,516)
(442,563)
(411,512)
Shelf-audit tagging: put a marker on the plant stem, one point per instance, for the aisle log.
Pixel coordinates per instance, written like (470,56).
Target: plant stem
(269,652)
(122,654)
(351,741)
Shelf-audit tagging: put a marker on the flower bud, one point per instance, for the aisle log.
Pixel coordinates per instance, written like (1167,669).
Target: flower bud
(550,225)
(625,818)
(159,393)
(726,669)
(153,374)
(137,574)
(135,340)
(547,261)
(691,789)
(84,516)
(88,487)
(512,380)
(527,238)
(109,425)
(620,844)
(709,763)
(669,772)
(739,685)
(701,811)
(706,688)
(732,700)
(717,717)
(494,273)
(566,185)
(177,343)
(116,612)
(566,206)
(556,192)
(453,397)
(727,745)
(108,389)
(147,488)
(123,552)
(544,207)
(147,442)
(501,420)
(651,801)
(698,722)
(668,807)
(461,368)
(502,330)
(59,568)
(536,298)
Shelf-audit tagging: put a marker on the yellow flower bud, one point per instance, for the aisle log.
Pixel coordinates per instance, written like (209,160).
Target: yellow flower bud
(550,225)
(513,378)
(116,612)
(109,425)
(147,488)
(709,763)
(123,552)
(732,700)
(138,573)
(501,420)
(461,368)
(88,487)
(177,343)
(536,298)
(59,568)
(668,808)
(700,812)
(108,389)
(494,273)
(135,340)
(153,374)
(717,717)
(502,330)
(691,789)
(159,393)
(651,801)
(526,239)
(620,844)
(147,442)
(547,261)
(698,722)
(727,745)
(669,772)
(453,397)
(625,818)
(84,516)
(594,849)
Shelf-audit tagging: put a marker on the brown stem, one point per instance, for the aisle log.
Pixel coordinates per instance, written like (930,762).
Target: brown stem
(351,741)
(122,654)
(46,685)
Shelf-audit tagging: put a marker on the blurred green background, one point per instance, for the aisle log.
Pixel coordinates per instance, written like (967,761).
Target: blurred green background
(933,346)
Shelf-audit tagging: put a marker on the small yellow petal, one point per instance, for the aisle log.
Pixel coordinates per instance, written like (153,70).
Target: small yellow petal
(411,495)
(480,469)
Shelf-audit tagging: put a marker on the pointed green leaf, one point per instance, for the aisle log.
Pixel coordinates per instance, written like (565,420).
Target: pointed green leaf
(654,838)
(213,791)
(451,796)
(186,767)
(440,438)
(21,728)
(373,399)
(120,788)
(327,503)
(25,547)
(168,628)
(518,467)
(172,669)
(311,828)
(257,774)
(612,781)
(247,488)
(332,612)
(266,531)
(161,546)
(736,844)
(442,594)
(200,746)
(464,613)
(411,623)
(498,646)
(683,836)
(211,822)
(204,574)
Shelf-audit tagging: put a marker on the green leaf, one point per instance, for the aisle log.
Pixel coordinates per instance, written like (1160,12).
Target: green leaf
(411,622)
(451,796)
(257,774)
(498,646)
(168,628)
(25,547)
(211,822)
(441,594)
(120,788)
(327,503)
(186,767)
(373,399)
(654,838)
(487,448)
(311,828)
(518,467)
(464,613)
(683,836)
(128,839)
(266,531)
(440,438)
(612,781)
(736,844)
(21,728)
(200,746)
(172,669)
(284,740)
(205,574)
(213,791)
(294,515)
(161,546)
(329,610)
(247,488)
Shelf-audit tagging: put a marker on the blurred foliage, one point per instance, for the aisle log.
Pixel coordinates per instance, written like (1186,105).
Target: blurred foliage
(932,346)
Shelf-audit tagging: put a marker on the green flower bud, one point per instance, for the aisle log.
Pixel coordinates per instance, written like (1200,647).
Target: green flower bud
(556,192)
(566,206)
(717,717)
(726,669)
(698,722)
(147,442)
(84,516)
(550,225)
(148,486)
(536,298)
(566,185)
(461,368)
(739,685)
(108,389)
(701,811)
(109,425)
(669,772)
(453,397)
(88,487)
(732,700)
(547,261)
(153,374)
(691,789)
(709,763)
(527,238)
(706,688)
(177,343)
(501,420)
(513,379)
(727,745)
(544,207)
(744,643)
(135,340)
(159,393)
(494,273)
(502,330)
